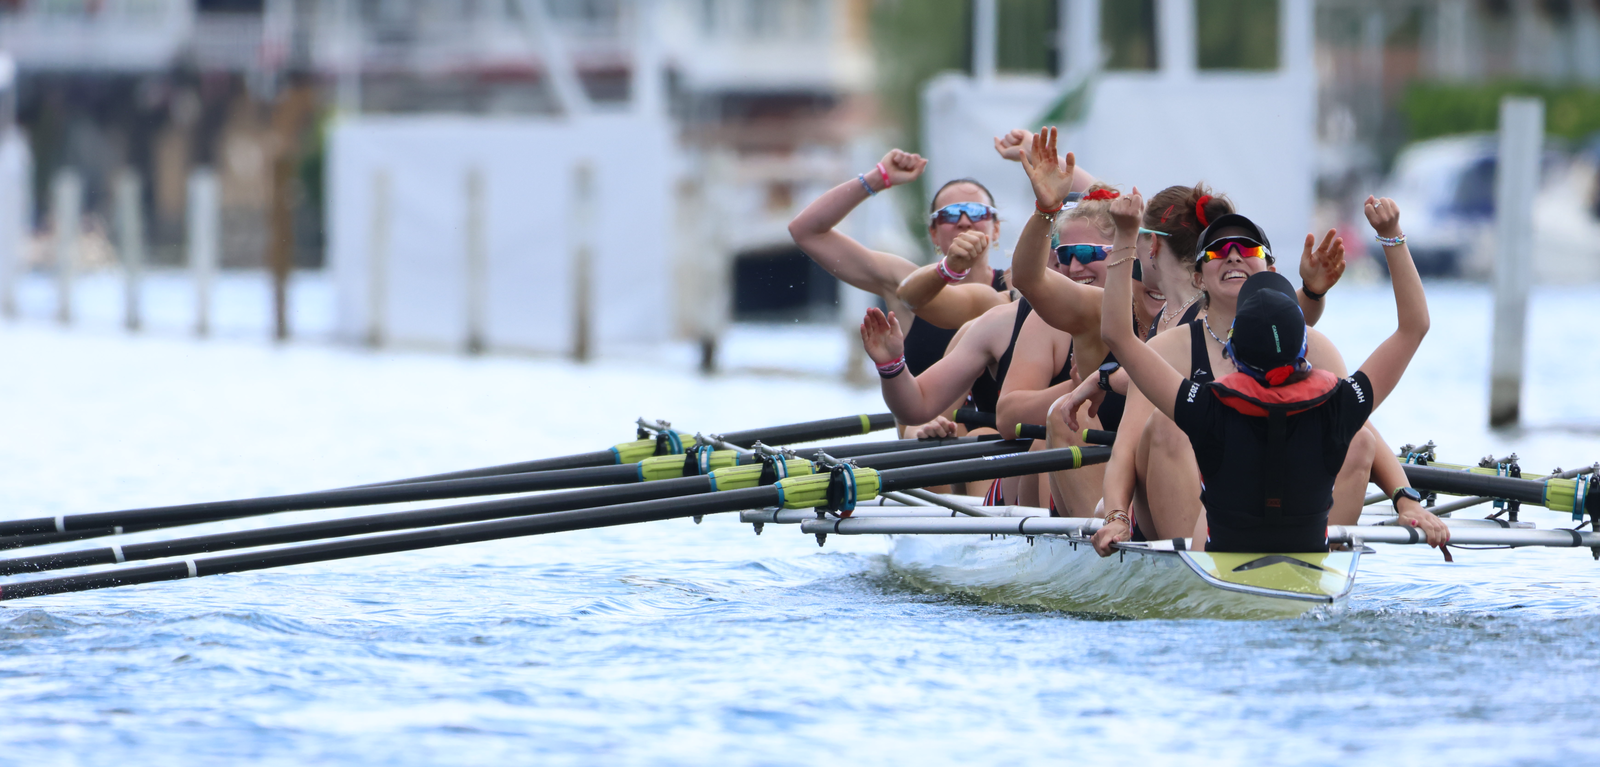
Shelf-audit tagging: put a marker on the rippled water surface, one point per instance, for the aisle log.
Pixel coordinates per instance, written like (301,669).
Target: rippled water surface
(677,643)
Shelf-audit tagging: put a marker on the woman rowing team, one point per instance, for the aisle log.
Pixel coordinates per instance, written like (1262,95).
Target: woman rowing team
(1237,424)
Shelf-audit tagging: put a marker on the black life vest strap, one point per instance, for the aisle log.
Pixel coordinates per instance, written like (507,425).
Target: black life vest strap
(1277,445)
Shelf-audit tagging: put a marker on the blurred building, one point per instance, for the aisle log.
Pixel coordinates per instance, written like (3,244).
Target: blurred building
(763,95)
(767,102)
(1403,84)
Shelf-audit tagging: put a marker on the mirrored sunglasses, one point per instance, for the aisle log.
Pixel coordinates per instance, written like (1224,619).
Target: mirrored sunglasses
(974,211)
(1244,246)
(1086,254)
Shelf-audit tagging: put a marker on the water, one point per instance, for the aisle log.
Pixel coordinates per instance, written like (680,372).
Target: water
(677,643)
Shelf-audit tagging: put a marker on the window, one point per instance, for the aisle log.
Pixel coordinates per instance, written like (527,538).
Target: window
(1128,33)
(1027,36)
(1237,34)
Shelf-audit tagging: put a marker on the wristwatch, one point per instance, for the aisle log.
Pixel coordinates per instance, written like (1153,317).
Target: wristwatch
(1406,492)
(1105,374)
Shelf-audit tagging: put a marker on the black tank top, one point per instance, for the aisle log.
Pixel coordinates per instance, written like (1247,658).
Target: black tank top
(1199,354)
(1192,313)
(926,342)
(986,389)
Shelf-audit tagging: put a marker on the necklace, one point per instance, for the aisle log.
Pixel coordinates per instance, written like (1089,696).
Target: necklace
(1165,317)
(1207,322)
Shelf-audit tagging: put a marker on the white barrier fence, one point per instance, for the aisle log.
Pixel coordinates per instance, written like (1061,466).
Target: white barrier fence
(473,233)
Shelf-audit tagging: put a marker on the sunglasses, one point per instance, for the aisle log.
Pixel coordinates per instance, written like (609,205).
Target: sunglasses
(1143,230)
(1246,248)
(974,211)
(1086,254)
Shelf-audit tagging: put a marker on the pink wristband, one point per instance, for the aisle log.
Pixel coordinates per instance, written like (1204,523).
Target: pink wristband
(950,276)
(885,175)
(893,367)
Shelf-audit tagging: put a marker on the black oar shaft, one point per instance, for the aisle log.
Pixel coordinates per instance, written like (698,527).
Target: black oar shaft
(361,525)
(1456,482)
(166,516)
(559,463)
(977,419)
(809,431)
(608,516)
(830,428)
(169,516)
(406,520)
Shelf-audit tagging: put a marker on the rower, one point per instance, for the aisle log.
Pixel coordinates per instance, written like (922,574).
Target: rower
(1042,369)
(960,208)
(984,350)
(1271,437)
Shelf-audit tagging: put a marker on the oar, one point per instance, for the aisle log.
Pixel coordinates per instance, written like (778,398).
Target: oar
(840,487)
(632,452)
(720,479)
(1471,536)
(1576,496)
(977,419)
(654,468)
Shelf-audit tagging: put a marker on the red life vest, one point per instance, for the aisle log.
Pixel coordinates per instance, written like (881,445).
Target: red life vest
(1251,397)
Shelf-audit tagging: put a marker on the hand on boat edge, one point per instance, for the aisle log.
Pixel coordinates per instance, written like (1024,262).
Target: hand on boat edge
(1106,538)
(1412,514)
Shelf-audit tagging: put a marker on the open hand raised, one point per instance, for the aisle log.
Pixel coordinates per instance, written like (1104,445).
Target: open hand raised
(904,167)
(881,336)
(1384,216)
(1050,174)
(1321,268)
(1014,144)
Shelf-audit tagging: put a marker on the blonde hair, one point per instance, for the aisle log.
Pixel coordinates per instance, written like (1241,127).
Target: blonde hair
(1096,212)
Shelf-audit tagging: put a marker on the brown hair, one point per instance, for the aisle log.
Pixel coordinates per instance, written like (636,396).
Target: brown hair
(1183,212)
(934,203)
(1096,212)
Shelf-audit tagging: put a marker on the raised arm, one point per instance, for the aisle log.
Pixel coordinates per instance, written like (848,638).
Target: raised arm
(815,229)
(1064,304)
(1149,371)
(935,293)
(1017,141)
(919,399)
(1320,270)
(1388,362)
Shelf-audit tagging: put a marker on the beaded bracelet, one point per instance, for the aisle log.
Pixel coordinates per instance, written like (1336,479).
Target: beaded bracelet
(885,175)
(1389,242)
(893,367)
(950,276)
(862,177)
(1120,261)
(1117,515)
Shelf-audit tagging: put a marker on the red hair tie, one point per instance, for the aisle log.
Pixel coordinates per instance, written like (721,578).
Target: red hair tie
(1200,210)
(1101,194)
(1278,375)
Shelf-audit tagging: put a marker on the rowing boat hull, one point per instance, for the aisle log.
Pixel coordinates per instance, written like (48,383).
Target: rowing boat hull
(1138,582)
